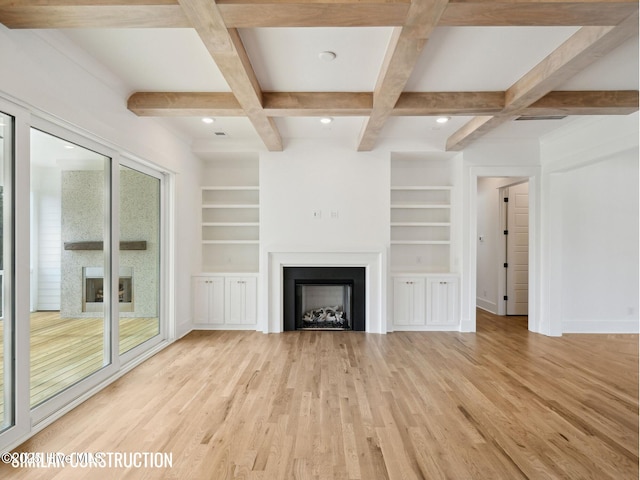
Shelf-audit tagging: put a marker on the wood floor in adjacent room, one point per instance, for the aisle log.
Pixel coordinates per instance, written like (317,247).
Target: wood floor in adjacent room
(502,403)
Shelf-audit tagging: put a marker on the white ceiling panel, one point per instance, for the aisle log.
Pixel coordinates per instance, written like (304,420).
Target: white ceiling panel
(154,59)
(424,130)
(221,130)
(616,71)
(473,59)
(310,127)
(287,59)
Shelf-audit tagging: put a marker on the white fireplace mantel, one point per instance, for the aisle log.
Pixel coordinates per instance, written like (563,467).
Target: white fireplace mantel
(275,259)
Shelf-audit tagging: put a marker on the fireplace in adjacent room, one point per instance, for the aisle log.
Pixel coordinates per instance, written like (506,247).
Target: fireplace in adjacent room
(93,289)
(324,298)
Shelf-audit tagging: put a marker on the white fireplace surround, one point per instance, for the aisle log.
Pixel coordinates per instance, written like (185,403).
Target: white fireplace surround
(372,259)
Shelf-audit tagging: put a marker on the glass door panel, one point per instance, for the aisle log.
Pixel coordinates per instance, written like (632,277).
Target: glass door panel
(6,274)
(70,279)
(139,283)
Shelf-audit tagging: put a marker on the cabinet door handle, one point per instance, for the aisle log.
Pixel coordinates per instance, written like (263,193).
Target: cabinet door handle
(443,283)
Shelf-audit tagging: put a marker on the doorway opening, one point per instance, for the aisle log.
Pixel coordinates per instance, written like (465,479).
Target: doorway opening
(502,262)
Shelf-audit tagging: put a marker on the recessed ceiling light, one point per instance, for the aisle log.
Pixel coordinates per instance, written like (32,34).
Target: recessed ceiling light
(208,120)
(326,120)
(327,56)
(442,119)
(69,147)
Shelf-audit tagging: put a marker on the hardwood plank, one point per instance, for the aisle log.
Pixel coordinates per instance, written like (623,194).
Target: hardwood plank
(499,403)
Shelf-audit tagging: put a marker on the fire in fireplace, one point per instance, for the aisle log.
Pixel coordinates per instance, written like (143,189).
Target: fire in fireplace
(324,298)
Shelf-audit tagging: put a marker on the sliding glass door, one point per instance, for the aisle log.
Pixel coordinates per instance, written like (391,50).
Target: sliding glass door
(140,253)
(7,417)
(70,274)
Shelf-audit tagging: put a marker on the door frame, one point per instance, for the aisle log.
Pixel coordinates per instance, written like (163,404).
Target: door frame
(470,234)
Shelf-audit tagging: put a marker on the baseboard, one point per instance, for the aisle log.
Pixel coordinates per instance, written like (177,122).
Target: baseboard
(201,326)
(601,326)
(487,305)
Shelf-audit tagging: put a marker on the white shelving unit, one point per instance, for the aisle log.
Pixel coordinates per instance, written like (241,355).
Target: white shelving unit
(422,201)
(231,216)
(421,227)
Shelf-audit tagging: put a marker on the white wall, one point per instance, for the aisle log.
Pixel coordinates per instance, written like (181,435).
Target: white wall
(591,226)
(600,245)
(45,74)
(488,248)
(313,177)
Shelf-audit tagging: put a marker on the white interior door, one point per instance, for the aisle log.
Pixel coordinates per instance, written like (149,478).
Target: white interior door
(517,257)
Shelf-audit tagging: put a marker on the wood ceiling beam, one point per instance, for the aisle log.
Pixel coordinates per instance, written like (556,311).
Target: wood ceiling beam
(187,104)
(93,14)
(309,104)
(344,104)
(226,49)
(404,49)
(621,102)
(505,13)
(448,103)
(309,13)
(582,49)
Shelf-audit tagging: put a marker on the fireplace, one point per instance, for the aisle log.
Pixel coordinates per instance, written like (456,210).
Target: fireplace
(93,289)
(324,298)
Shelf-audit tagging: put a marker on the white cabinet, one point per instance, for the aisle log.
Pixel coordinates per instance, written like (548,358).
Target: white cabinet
(425,302)
(442,301)
(225,301)
(240,300)
(408,301)
(208,300)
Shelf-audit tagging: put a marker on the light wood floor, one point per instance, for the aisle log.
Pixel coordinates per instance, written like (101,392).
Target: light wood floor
(502,403)
(66,350)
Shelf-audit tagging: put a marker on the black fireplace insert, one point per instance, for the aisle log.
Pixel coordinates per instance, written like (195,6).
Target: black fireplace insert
(324,298)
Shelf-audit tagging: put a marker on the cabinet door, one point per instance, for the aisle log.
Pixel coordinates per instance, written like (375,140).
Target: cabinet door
(240,300)
(442,301)
(208,300)
(408,301)
(216,300)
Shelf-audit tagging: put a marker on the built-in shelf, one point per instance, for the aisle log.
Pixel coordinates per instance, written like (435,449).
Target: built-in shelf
(230,222)
(421,199)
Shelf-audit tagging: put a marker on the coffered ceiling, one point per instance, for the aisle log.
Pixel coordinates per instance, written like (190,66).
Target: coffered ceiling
(255,66)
